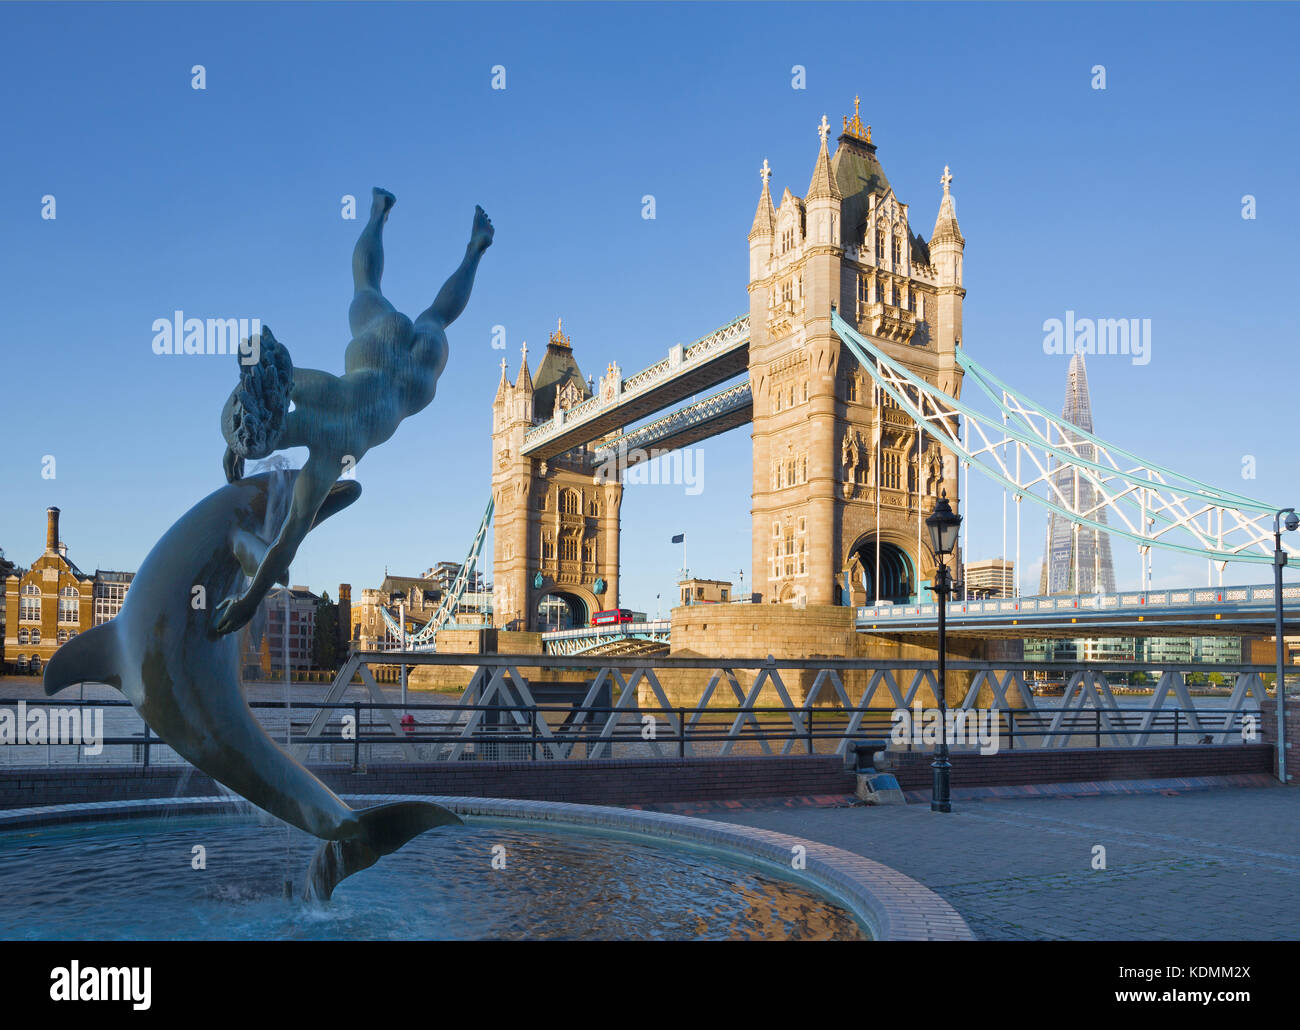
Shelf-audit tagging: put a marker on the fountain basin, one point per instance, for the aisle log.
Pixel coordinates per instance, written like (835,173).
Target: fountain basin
(560,871)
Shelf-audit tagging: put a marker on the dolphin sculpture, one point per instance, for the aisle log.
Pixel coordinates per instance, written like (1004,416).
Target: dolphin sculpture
(163,653)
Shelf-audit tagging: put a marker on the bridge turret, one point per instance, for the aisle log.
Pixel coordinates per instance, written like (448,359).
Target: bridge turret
(512,486)
(762,235)
(946,251)
(822,204)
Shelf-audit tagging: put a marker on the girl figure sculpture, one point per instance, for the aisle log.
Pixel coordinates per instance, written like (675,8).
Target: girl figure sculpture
(391,370)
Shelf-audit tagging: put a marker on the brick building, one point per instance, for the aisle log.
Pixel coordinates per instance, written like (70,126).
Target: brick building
(50,603)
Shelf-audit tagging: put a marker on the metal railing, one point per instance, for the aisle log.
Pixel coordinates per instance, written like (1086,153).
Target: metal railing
(435,731)
(1148,603)
(546,706)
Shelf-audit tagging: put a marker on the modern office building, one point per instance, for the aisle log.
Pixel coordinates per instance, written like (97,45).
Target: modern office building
(991,577)
(1077,559)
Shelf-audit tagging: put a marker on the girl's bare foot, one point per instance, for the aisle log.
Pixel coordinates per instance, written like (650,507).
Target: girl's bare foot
(381,203)
(480,237)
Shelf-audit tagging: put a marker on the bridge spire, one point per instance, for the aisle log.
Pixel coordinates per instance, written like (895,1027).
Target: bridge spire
(854,127)
(525,380)
(823,185)
(765,216)
(945,225)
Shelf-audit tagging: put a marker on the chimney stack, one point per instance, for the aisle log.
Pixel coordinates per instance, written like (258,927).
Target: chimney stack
(51,530)
(344,616)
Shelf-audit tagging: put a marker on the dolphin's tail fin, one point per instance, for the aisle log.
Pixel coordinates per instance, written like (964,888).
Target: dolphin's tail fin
(384,829)
(92,655)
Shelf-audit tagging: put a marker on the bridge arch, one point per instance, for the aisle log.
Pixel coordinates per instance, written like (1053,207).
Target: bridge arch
(562,609)
(897,570)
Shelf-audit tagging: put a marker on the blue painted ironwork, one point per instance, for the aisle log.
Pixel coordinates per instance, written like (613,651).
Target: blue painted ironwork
(1186,606)
(644,437)
(584,639)
(424,637)
(1164,501)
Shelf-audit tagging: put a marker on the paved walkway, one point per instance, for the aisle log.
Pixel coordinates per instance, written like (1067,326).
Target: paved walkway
(1204,865)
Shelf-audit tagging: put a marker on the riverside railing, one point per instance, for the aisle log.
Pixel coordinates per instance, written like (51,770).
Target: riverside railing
(524,707)
(433,731)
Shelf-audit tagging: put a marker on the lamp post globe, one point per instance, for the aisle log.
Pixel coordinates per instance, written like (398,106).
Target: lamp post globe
(943,525)
(1285,519)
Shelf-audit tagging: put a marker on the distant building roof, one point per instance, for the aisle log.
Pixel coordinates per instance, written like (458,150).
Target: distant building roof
(558,367)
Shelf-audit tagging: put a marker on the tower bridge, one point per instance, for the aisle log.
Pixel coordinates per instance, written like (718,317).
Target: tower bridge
(842,479)
(849,369)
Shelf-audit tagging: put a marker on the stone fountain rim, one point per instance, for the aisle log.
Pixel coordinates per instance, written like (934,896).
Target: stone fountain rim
(892,905)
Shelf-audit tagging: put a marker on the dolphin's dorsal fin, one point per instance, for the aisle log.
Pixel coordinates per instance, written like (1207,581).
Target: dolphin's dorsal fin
(89,656)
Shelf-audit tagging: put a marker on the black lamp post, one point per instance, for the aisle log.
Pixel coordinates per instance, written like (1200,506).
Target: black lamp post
(943,524)
(1291,522)
(400,600)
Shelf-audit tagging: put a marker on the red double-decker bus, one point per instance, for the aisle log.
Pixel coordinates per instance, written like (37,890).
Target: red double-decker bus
(612,617)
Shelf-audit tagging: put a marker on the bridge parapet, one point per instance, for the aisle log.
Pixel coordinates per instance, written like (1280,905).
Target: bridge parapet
(680,362)
(1189,606)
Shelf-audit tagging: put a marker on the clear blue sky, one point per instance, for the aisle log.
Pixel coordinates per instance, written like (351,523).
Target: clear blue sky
(226,202)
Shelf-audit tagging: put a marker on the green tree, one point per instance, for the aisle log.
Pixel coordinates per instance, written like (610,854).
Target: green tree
(325,647)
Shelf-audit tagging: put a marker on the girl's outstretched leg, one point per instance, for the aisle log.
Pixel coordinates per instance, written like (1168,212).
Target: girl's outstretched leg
(454,295)
(368,265)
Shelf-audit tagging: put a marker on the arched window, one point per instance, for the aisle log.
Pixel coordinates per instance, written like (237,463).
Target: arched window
(898,252)
(593,508)
(69,605)
(62,636)
(21,662)
(880,245)
(23,636)
(570,502)
(29,604)
(36,636)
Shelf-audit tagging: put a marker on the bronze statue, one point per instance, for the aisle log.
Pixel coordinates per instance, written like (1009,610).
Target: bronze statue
(177,663)
(391,370)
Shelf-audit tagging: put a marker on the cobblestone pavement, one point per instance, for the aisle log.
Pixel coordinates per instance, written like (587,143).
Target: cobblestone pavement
(1208,865)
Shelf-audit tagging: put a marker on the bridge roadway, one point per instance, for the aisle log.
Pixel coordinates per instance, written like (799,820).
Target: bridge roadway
(1193,611)
(721,355)
(716,414)
(636,639)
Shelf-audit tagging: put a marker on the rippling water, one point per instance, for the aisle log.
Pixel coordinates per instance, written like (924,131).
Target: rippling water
(137,881)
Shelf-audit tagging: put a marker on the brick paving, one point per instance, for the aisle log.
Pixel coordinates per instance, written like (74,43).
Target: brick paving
(1197,865)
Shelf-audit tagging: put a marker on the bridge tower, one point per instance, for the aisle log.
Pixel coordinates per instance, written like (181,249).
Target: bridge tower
(840,475)
(556,522)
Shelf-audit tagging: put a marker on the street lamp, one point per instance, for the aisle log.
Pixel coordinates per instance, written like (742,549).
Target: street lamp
(400,600)
(943,524)
(1279,560)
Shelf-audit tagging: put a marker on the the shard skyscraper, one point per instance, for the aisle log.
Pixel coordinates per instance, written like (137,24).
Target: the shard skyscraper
(1077,561)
